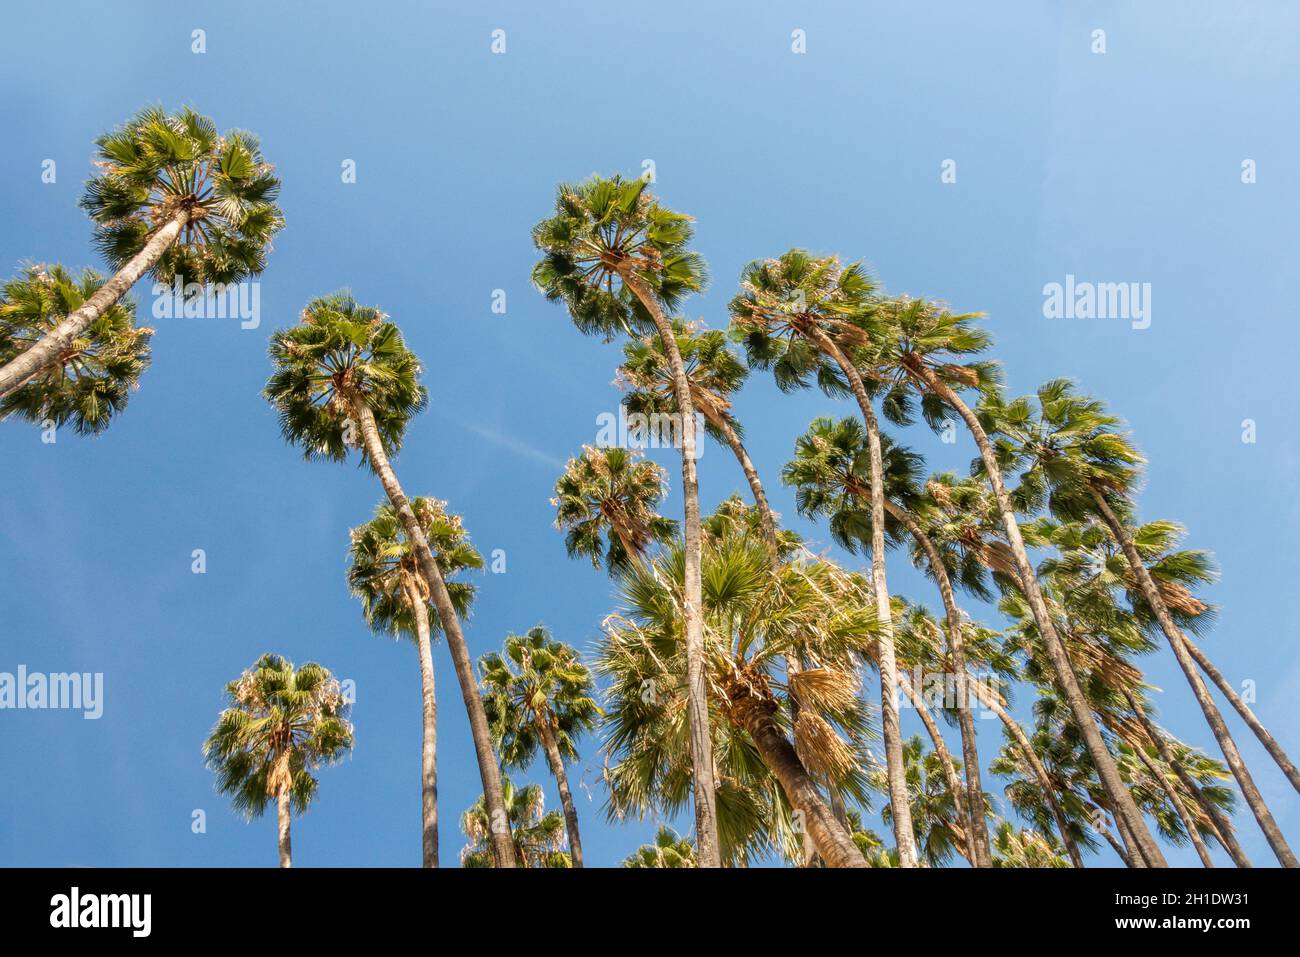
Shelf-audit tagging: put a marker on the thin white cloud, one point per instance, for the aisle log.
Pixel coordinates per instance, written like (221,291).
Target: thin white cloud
(513,444)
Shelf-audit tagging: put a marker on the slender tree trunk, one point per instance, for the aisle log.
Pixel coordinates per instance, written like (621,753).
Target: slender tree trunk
(1135,857)
(429,751)
(1213,717)
(47,350)
(697,702)
(890,730)
(1031,758)
(949,769)
(766,519)
(562,782)
(977,822)
(831,839)
(1171,792)
(282,813)
(1107,770)
(1222,829)
(1119,849)
(1246,713)
(499,829)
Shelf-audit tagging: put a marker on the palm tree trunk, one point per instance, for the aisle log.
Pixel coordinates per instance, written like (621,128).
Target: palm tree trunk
(950,774)
(1171,792)
(1031,758)
(697,703)
(490,772)
(977,822)
(766,519)
(1135,858)
(1246,713)
(282,813)
(1104,762)
(1211,711)
(889,723)
(1222,829)
(556,762)
(46,351)
(1119,849)
(429,750)
(832,840)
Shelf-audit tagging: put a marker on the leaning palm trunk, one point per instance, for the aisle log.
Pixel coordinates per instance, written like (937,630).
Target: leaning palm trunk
(1211,711)
(1107,771)
(830,838)
(697,707)
(766,519)
(989,700)
(556,762)
(976,820)
(49,348)
(429,749)
(1171,792)
(1222,829)
(498,828)
(898,796)
(1246,713)
(949,769)
(282,814)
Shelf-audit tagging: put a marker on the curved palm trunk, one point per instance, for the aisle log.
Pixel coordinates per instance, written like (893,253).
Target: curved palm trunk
(960,801)
(499,832)
(1120,850)
(1171,792)
(562,782)
(830,838)
(429,749)
(976,820)
(47,350)
(1222,829)
(282,814)
(1246,713)
(890,731)
(988,700)
(697,706)
(1103,761)
(1202,694)
(1135,856)
(766,519)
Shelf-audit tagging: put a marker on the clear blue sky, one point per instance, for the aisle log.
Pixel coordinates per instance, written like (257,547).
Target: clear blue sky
(1117,167)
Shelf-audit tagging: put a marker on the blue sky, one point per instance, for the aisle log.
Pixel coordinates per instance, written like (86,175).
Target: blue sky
(1117,167)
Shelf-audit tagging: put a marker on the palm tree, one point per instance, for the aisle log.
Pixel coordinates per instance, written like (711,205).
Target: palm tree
(669,850)
(606,501)
(619,261)
(1021,848)
(282,724)
(799,314)
(172,197)
(539,693)
(1067,445)
(831,475)
(756,609)
(344,373)
(536,835)
(929,348)
(714,372)
(94,375)
(936,816)
(385,575)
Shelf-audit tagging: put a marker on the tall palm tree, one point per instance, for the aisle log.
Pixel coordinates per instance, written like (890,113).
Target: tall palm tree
(605,503)
(831,475)
(756,609)
(929,348)
(619,261)
(537,835)
(804,316)
(283,723)
(539,695)
(174,198)
(714,372)
(385,575)
(1069,446)
(936,816)
(92,378)
(342,374)
(669,850)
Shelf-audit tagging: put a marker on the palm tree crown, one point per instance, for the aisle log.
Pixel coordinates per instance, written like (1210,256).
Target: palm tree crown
(538,834)
(282,724)
(158,166)
(341,351)
(93,378)
(607,232)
